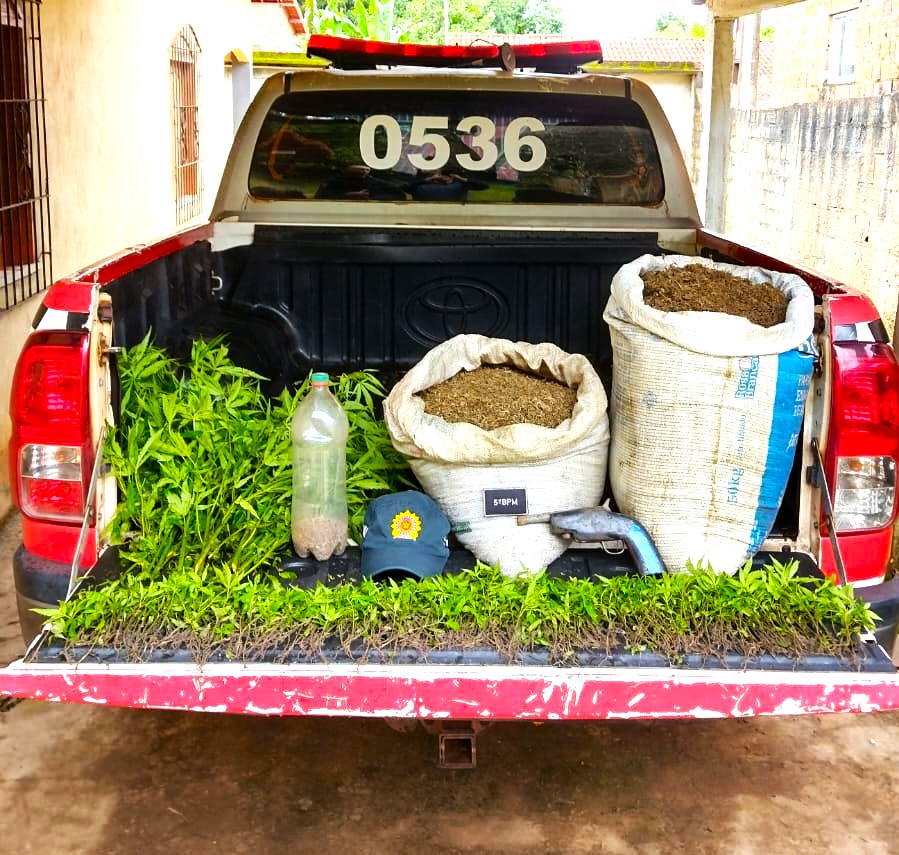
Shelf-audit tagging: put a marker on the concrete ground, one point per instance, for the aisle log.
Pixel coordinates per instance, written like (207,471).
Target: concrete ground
(78,779)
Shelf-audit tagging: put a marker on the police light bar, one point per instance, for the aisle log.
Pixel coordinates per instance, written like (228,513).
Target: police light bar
(363,53)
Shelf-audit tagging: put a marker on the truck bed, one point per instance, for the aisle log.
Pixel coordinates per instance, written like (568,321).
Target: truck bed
(289,299)
(344,299)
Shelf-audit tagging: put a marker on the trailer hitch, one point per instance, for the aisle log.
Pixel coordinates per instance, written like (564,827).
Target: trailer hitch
(457,742)
(595,525)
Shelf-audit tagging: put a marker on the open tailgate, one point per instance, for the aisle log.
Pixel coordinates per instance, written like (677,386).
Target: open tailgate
(467,692)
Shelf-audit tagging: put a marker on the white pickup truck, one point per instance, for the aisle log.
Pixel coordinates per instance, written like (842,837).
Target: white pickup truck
(370,210)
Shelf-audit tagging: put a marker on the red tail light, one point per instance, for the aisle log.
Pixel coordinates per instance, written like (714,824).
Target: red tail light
(865,399)
(863,457)
(50,450)
(361,53)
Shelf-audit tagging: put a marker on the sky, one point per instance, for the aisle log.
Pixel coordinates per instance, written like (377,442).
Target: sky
(613,18)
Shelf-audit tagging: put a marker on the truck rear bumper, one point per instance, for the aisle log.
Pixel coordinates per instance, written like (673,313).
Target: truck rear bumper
(461,692)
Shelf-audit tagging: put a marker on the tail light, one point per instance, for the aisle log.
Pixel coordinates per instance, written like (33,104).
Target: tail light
(865,430)
(50,451)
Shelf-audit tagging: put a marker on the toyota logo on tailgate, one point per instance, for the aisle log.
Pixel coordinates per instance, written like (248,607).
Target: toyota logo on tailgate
(444,308)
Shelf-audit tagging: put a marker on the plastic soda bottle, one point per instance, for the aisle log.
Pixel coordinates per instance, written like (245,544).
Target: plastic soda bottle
(319,511)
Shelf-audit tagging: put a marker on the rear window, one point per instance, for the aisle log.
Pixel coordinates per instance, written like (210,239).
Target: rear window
(474,147)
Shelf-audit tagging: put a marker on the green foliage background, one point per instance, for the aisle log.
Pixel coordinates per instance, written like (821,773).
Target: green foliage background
(423,20)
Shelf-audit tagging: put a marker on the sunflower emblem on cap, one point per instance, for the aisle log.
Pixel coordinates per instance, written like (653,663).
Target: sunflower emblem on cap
(406,525)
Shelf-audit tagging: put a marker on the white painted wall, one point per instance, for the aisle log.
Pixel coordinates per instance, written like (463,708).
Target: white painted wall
(109,132)
(109,120)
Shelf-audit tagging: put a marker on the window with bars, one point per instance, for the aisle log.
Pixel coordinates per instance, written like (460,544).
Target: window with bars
(24,199)
(184,56)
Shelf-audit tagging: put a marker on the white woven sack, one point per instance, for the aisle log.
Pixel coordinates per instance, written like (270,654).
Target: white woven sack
(706,410)
(559,468)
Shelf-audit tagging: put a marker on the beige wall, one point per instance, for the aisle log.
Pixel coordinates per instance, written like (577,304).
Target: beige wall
(801,51)
(819,183)
(109,133)
(109,120)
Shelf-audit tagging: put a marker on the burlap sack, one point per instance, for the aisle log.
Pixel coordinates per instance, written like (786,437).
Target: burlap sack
(706,410)
(558,468)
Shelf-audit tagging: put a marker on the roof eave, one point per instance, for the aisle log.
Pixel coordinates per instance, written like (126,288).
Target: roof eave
(644,66)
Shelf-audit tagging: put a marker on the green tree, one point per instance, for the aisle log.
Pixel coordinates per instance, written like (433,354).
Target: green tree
(670,24)
(541,16)
(527,16)
(422,20)
(697,31)
(358,19)
(674,27)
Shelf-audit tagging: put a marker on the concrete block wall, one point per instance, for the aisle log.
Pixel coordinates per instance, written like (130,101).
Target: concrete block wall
(819,184)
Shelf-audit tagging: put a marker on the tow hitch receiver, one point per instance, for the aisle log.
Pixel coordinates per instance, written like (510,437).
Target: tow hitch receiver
(456,742)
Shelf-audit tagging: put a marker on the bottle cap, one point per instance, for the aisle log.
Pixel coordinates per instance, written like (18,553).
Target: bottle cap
(320,378)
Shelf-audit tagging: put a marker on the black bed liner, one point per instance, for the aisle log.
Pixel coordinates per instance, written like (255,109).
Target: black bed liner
(870,658)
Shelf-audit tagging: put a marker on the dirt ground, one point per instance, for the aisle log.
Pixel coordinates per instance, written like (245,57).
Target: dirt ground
(78,779)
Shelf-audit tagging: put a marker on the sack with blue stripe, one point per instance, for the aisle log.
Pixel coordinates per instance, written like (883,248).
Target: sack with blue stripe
(705,415)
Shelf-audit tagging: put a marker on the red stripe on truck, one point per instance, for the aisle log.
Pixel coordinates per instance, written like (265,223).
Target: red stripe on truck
(69,296)
(437,692)
(131,259)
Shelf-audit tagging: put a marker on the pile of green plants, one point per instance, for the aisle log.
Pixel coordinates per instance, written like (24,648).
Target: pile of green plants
(203,460)
(203,463)
(238,613)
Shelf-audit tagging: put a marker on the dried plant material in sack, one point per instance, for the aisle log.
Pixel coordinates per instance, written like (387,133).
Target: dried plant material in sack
(706,414)
(557,468)
(497,396)
(696,288)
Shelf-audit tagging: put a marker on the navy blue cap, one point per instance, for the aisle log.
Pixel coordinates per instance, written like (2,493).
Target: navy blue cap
(404,531)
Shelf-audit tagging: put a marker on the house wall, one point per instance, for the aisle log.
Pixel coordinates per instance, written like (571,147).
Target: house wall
(109,116)
(818,183)
(109,133)
(272,31)
(802,44)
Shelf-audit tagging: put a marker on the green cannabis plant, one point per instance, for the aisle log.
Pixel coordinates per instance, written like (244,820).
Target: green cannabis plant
(203,460)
